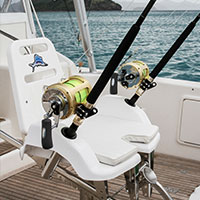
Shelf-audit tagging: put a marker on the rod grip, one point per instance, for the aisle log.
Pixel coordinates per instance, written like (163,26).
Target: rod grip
(47,142)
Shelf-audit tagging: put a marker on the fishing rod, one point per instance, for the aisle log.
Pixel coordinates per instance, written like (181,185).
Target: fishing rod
(148,83)
(84,111)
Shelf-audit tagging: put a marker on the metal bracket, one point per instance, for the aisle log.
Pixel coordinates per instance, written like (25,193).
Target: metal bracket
(87,191)
(51,165)
(147,160)
(132,184)
(100,189)
(146,84)
(84,112)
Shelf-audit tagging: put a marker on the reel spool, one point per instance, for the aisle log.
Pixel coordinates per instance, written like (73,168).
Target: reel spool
(62,98)
(132,73)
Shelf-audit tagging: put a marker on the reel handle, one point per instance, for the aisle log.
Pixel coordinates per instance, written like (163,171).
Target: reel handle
(47,142)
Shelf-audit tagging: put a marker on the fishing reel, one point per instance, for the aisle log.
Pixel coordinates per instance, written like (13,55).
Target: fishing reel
(131,74)
(135,74)
(60,101)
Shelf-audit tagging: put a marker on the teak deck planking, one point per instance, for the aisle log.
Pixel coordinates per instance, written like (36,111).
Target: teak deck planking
(179,176)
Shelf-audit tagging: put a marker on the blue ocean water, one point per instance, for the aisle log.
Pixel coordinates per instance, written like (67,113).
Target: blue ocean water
(107,29)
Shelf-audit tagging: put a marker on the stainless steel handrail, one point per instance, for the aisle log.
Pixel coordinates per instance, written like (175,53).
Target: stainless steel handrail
(5,136)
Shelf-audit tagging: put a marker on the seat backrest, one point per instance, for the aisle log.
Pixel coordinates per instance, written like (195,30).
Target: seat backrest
(33,64)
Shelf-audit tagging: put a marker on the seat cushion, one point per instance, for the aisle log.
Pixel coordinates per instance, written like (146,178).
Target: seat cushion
(109,137)
(114,106)
(141,134)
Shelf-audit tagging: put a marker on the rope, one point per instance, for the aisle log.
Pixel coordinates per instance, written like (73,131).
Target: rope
(36,17)
(100,29)
(81,56)
(78,36)
(168,21)
(89,9)
(73,26)
(142,49)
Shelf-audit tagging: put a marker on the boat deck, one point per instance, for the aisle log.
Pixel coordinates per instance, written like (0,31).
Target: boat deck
(179,176)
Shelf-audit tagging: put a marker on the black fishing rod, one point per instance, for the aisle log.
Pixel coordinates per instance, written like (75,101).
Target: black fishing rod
(107,73)
(148,83)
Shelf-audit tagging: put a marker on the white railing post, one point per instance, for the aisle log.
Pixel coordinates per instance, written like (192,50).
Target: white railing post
(84,31)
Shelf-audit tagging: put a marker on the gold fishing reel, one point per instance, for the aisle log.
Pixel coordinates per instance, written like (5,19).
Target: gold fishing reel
(131,74)
(59,101)
(63,98)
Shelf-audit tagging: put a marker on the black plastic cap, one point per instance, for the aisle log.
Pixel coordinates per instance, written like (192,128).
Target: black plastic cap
(128,101)
(70,132)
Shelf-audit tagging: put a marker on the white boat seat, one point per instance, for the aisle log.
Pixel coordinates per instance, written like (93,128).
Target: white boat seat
(102,150)
(29,76)
(196,194)
(106,135)
(88,164)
